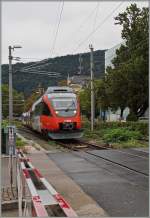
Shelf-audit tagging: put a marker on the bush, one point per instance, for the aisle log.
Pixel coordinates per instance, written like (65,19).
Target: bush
(20,142)
(142,127)
(132,117)
(85,122)
(104,125)
(14,123)
(5,123)
(121,134)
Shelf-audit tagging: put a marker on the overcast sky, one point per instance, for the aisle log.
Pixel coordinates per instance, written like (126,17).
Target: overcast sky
(33,25)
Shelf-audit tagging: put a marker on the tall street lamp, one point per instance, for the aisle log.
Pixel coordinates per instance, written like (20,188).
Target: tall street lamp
(10,57)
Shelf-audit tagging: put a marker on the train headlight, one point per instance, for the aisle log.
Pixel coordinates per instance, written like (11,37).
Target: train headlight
(74,111)
(56,112)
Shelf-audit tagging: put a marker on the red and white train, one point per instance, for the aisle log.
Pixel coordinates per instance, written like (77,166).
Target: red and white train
(56,114)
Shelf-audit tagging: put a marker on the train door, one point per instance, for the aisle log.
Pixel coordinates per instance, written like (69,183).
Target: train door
(36,124)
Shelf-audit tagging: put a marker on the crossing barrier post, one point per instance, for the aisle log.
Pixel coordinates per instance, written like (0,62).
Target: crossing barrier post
(44,199)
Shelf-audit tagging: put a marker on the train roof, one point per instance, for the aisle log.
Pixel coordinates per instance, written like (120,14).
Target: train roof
(61,95)
(59,89)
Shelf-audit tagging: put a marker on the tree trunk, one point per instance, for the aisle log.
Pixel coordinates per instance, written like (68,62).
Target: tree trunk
(104,117)
(121,114)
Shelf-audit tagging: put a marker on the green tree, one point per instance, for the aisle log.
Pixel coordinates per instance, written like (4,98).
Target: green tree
(18,102)
(85,101)
(129,74)
(31,99)
(101,96)
(116,86)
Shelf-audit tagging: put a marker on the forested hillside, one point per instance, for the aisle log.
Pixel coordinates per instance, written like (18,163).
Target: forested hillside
(26,83)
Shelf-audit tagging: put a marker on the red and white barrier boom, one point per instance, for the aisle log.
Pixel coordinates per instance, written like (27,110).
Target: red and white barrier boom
(36,195)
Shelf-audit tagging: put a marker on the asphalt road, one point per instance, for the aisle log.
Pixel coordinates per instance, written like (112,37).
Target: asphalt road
(120,191)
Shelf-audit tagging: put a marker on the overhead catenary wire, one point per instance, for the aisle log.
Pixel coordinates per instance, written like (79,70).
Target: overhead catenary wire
(97,27)
(32,58)
(108,57)
(57,30)
(42,72)
(37,63)
(130,61)
(124,52)
(82,24)
(55,26)
(40,62)
(84,21)
(36,67)
(96,14)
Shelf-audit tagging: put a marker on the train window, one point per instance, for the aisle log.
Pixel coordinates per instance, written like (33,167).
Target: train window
(46,110)
(42,109)
(38,109)
(64,103)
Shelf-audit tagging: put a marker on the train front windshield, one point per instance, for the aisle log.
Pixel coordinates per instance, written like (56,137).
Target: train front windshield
(64,103)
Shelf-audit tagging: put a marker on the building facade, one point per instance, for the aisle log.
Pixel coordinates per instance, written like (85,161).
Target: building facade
(109,55)
(110,115)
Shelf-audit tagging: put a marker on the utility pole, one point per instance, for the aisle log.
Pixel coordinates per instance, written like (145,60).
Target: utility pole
(68,80)
(80,64)
(92,88)
(10,87)
(10,83)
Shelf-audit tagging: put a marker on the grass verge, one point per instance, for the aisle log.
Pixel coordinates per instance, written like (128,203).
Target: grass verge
(117,134)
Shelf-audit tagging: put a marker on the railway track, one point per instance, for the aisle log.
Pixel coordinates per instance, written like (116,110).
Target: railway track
(77,145)
(89,146)
(118,164)
(80,145)
(73,144)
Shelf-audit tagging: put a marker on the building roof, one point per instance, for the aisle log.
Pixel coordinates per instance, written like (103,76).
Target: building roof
(79,79)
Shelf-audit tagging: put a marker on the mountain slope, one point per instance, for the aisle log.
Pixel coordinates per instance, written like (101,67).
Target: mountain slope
(69,64)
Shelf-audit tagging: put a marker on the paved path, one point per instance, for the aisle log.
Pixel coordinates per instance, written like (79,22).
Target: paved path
(76,197)
(120,191)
